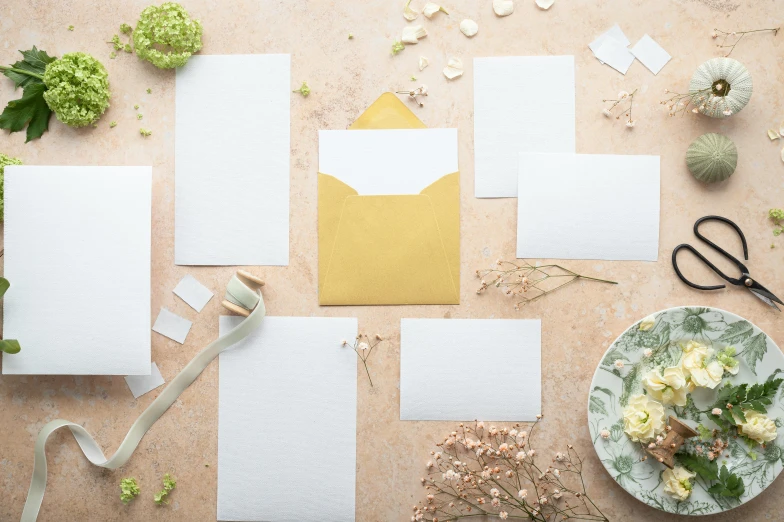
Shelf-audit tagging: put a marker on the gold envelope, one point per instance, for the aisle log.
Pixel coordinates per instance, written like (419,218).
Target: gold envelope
(389,249)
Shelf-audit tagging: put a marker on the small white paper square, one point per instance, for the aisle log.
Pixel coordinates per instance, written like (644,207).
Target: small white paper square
(433,355)
(589,206)
(290,375)
(650,54)
(195,294)
(172,326)
(616,55)
(141,384)
(613,33)
(77,254)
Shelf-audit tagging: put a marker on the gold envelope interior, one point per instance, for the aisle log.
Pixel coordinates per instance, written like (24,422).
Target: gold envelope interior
(389,249)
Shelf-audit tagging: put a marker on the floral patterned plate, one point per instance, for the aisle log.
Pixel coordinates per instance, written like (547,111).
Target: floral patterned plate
(760,360)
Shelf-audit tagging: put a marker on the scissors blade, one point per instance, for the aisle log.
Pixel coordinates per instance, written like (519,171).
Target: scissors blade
(764,291)
(765,299)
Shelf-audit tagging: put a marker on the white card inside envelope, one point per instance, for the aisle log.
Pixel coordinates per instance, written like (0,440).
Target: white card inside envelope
(617,56)
(589,206)
(432,359)
(232,153)
(394,161)
(77,254)
(521,104)
(290,374)
(650,54)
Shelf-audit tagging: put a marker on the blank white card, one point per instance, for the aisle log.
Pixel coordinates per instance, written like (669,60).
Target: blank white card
(521,104)
(435,357)
(77,254)
(232,160)
(588,206)
(287,417)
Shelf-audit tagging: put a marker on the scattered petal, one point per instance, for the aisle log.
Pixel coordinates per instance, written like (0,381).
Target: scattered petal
(781,128)
(423,62)
(773,135)
(408,13)
(503,7)
(468,27)
(545,4)
(430,9)
(412,34)
(782,150)
(453,69)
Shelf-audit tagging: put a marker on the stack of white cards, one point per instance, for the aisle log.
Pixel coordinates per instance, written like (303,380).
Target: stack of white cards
(612,48)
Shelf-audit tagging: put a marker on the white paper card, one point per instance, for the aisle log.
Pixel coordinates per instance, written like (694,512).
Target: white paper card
(195,294)
(613,33)
(521,104)
(77,253)
(141,384)
(615,55)
(290,374)
(650,54)
(172,326)
(397,161)
(589,206)
(232,160)
(433,353)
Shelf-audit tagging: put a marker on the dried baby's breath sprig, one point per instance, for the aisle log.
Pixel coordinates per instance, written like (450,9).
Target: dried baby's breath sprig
(414,95)
(480,471)
(623,109)
(696,101)
(363,346)
(737,36)
(528,282)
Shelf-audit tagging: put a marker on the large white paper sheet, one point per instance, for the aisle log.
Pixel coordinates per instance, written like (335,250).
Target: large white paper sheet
(290,376)
(433,355)
(77,254)
(232,160)
(651,54)
(588,206)
(141,384)
(521,104)
(381,162)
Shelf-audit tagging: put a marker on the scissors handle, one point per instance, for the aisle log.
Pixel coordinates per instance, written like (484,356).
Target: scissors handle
(717,247)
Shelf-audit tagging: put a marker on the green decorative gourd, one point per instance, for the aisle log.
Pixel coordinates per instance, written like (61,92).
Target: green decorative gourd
(712,157)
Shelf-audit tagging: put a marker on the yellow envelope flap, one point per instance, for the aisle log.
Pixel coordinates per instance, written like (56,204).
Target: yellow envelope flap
(387,112)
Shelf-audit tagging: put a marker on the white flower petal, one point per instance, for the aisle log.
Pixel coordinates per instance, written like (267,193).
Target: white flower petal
(468,27)
(412,34)
(503,7)
(781,128)
(545,4)
(773,135)
(782,154)
(408,13)
(423,62)
(453,69)
(431,9)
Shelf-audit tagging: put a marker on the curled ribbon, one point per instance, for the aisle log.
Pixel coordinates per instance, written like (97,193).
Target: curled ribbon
(238,292)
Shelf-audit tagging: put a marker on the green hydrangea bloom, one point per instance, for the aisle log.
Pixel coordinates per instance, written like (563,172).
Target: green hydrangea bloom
(129,489)
(166,36)
(77,89)
(4,162)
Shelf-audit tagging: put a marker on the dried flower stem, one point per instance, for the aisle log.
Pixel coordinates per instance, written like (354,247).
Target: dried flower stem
(413,94)
(623,97)
(520,279)
(680,102)
(363,349)
(739,34)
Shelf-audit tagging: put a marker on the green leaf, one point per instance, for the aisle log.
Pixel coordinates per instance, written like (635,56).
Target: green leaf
(9,346)
(707,469)
(754,350)
(30,109)
(736,333)
(4,286)
(34,61)
(596,405)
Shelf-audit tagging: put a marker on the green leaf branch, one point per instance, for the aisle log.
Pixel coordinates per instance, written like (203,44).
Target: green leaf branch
(9,346)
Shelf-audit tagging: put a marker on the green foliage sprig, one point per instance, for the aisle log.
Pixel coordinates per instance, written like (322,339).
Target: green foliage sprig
(722,482)
(9,346)
(168,486)
(733,400)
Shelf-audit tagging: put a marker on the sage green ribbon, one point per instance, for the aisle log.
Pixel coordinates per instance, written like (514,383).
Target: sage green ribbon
(153,412)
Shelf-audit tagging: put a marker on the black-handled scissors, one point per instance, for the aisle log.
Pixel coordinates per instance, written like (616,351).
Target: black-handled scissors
(745,278)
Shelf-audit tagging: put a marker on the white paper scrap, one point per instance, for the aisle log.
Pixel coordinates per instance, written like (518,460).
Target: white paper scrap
(615,55)
(650,54)
(77,254)
(432,360)
(613,33)
(232,166)
(589,206)
(172,326)
(195,294)
(291,375)
(141,384)
(521,104)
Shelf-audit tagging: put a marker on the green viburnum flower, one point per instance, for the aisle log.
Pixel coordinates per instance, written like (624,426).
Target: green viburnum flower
(777,215)
(168,485)
(4,162)
(77,89)
(397,47)
(166,36)
(304,90)
(145,132)
(129,489)
(125,29)
(70,28)
(112,124)
(726,358)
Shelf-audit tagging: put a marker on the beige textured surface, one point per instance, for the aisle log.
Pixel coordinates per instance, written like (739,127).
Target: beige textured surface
(346,76)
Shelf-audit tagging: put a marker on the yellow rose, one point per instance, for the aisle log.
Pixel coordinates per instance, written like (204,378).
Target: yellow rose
(648,323)
(677,483)
(758,427)
(668,386)
(643,418)
(696,367)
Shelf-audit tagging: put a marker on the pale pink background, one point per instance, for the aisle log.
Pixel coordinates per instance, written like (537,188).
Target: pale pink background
(346,76)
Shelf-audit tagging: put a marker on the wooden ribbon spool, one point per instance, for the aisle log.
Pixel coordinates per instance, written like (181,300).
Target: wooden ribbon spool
(675,438)
(253,283)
